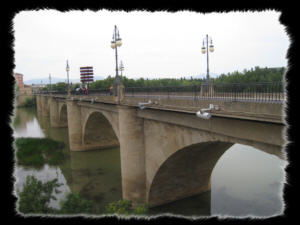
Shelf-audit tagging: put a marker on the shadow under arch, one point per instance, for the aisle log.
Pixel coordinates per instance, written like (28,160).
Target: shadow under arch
(63,116)
(98,133)
(186,172)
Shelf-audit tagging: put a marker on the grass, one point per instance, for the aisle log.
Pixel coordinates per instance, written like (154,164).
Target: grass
(38,151)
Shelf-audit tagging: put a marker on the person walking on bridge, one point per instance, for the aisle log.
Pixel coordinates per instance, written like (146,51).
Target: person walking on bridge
(111,90)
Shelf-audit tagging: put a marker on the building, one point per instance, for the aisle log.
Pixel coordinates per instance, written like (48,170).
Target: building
(37,88)
(19,80)
(26,90)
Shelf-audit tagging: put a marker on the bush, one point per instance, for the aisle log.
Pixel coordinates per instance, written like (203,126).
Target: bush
(74,204)
(30,102)
(124,207)
(120,207)
(36,196)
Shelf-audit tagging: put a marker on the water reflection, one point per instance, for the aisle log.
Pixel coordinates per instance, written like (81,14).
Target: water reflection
(96,175)
(245,181)
(195,206)
(26,124)
(44,174)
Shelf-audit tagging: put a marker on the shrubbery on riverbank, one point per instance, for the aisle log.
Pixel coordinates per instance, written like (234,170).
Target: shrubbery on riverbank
(29,102)
(124,207)
(38,151)
(35,198)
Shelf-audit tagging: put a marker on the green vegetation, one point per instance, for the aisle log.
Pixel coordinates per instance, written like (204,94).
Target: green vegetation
(16,91)
(60,86)
(30,102)
(38,151)
(75,204)
(124,207)
(36,196)
(247,76)
(254,75)
(257,74)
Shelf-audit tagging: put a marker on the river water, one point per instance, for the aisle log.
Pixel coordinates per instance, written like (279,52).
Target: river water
(245,181)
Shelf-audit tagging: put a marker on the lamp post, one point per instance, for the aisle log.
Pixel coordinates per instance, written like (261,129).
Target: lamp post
(211,49)
(115,43)
(67,69)
(121,68)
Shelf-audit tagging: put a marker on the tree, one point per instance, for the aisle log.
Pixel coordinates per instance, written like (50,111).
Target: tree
(36,196)
(61,86)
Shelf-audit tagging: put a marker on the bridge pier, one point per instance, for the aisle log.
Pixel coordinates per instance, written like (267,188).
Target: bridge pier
(132,153)
(45,108)
(54,114)
(74,126)
(38,103)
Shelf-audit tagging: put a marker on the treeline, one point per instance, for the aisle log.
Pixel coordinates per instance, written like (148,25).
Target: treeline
(141,82)
(256,75)
(247,76)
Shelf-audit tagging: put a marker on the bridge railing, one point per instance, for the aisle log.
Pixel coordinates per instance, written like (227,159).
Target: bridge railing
(58,92)
(256,92)
(101,92)
(251,92)
(189,92)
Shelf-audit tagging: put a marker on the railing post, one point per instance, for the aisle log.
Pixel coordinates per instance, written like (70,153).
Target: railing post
(148,92)
(234,91)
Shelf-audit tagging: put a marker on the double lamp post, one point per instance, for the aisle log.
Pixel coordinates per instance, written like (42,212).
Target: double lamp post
(115,43)
(205,50)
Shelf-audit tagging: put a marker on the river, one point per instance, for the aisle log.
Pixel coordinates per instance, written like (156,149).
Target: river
(245,181)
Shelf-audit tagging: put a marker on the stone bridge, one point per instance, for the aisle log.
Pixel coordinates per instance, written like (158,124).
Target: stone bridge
(167,153)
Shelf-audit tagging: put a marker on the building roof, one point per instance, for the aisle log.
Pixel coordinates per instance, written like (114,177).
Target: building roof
(18,74)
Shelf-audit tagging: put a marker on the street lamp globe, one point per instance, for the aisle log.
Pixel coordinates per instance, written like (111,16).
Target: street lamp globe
(119,42)
(203,50)
(113,45)
(211,48)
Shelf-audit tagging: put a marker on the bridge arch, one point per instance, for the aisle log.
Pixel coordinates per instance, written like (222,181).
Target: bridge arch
(187,172)
(99,130)
(180,160)
(63,115)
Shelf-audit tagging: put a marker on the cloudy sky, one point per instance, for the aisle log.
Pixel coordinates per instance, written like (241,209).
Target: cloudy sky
(155,45)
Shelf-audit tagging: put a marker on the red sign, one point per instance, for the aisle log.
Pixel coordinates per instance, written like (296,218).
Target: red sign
(86,74)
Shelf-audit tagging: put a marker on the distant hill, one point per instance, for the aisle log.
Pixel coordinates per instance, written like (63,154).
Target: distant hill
(55,80)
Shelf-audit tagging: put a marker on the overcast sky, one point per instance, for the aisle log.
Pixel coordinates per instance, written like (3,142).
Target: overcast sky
(155,45)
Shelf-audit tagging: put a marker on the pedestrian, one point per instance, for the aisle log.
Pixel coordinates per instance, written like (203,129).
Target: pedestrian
(111,90)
